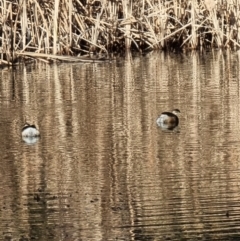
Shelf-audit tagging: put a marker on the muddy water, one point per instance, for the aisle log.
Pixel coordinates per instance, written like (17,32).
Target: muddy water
(102,168)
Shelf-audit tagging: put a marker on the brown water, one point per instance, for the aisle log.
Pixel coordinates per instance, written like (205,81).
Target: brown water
(102,169)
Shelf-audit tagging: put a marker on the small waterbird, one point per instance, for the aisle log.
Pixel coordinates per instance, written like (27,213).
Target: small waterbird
(30,131)
(168,120)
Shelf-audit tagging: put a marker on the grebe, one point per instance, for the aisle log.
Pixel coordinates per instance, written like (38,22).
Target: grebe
(30,131)
(168,120)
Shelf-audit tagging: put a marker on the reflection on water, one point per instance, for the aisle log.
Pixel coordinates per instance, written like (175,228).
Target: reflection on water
(30,139)
(103,169)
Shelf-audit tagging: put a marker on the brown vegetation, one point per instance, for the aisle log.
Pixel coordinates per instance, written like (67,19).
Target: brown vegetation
(73,27)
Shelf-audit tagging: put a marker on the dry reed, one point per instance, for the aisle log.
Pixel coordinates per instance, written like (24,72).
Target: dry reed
(77,27)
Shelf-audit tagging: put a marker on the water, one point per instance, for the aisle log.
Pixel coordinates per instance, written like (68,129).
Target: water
(102,169)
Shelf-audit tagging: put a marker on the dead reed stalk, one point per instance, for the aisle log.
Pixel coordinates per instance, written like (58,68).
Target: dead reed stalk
(73,27)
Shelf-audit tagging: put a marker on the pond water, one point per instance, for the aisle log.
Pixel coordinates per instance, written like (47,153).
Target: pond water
(102,168)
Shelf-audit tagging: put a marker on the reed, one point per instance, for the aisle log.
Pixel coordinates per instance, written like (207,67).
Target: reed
(55,26)
(77,27)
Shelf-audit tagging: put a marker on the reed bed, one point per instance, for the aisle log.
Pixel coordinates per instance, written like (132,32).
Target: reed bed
(103,27)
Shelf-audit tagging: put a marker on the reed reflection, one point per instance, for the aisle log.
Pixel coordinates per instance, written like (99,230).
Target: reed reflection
(102,168)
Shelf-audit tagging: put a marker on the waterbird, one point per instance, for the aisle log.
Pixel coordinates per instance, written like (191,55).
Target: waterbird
(168,120)
(30,131)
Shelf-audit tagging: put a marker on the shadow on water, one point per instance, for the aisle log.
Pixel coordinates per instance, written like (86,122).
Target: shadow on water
(103,169)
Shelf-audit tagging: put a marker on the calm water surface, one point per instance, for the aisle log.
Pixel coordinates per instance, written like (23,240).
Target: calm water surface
(102,169)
